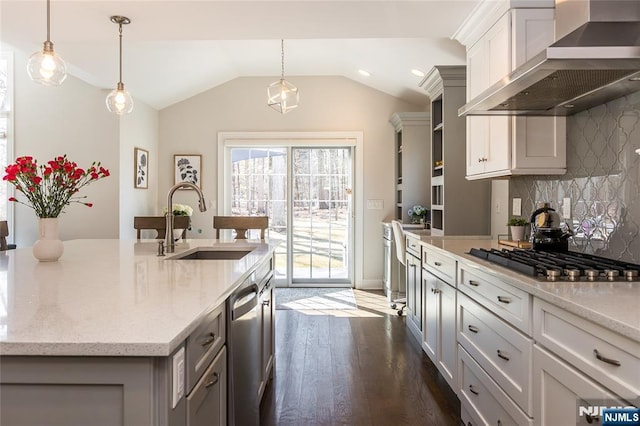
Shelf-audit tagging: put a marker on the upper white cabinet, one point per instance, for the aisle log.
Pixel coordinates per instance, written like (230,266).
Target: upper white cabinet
(497,43)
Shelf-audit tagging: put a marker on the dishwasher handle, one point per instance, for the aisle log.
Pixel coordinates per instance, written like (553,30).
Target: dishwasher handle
(244,301)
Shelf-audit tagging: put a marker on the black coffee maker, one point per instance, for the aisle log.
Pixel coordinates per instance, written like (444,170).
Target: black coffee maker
(546,230)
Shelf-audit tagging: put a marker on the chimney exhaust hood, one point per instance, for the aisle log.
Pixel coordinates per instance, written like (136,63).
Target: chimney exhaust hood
(596,60)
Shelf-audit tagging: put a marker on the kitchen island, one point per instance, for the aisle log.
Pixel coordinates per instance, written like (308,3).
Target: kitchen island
(97,333)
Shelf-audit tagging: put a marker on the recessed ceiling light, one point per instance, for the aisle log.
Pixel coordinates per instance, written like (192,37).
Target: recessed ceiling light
(417,72)
(364,73)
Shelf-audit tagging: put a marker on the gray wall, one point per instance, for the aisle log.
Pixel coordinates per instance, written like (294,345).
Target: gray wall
(602,180)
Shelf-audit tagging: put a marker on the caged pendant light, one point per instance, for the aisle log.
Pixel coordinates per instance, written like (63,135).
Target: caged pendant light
(282,95)
(119,101)
(45,67)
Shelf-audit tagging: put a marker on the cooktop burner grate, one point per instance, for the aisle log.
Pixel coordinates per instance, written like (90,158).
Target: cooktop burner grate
(571,266)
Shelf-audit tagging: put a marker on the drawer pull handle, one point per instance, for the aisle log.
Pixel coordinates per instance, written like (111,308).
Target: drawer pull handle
(213,381)
(469,424)
(473,391)
(473,329)
(501,355)
(208,339)
(266,302)
(504,299)
(437,263)
(607,360)
(499,422)
(474,283)
(435,291)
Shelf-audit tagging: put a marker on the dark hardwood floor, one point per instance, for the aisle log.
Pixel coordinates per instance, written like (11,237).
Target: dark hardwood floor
(353,368)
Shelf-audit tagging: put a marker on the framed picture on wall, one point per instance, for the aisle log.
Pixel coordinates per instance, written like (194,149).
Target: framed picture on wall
(141,168)
(188,168)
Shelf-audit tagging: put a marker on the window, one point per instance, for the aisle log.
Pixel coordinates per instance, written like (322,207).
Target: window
(6,121)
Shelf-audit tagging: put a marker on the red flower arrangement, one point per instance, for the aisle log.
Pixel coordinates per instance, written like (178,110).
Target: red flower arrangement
(50,188)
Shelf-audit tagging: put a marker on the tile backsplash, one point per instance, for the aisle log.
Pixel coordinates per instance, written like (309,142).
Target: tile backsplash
(602,181)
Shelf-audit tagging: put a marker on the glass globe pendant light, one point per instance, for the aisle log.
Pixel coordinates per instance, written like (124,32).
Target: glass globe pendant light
(119,101)
(45,67)
(282,95)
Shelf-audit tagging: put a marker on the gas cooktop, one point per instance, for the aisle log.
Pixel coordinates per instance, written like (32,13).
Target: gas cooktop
(554,266)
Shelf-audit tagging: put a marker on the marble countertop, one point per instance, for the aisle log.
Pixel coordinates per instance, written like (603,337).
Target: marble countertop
(613,305)
(113,297)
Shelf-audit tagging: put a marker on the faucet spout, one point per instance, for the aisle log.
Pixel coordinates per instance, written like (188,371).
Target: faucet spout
(170,244)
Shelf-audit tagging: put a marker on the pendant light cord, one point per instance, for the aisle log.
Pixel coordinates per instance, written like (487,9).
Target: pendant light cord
(48,21)
(282,57)
(120,56)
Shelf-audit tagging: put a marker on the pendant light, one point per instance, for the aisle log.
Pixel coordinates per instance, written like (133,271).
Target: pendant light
(119,101)
(282,95)
(45,67)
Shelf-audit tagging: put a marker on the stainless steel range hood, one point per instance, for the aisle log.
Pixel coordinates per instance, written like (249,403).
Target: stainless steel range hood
(597,59)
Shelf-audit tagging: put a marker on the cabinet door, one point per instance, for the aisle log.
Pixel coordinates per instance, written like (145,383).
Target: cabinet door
(448,344)
(207,403)
(498,51)
(414,296)
(477,127)
(431,315)
(559,391)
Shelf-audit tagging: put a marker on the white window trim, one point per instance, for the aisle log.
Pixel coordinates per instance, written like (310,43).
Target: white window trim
(8,56)
(227,140)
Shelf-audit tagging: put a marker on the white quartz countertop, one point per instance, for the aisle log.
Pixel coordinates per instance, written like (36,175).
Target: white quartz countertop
(613,305)
(113,297)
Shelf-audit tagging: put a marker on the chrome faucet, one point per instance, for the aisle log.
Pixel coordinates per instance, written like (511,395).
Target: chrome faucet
(170,244)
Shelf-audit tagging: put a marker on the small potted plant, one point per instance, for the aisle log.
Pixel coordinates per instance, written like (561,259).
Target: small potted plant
(517,227)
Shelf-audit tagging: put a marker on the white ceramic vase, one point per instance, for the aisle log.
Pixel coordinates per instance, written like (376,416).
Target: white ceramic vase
(48,248)
(517,233)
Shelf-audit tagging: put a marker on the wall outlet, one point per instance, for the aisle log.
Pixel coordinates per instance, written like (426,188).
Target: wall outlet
(517,207)
(566,208)
(177,377)
(497,206)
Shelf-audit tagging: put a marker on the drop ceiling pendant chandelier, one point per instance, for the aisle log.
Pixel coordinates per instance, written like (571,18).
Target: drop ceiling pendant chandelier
(282,95)
(45,67)
(119,101)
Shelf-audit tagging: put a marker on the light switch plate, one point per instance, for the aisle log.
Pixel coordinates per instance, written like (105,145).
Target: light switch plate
(177,375)
(566,208)
(375,204)
(517,207)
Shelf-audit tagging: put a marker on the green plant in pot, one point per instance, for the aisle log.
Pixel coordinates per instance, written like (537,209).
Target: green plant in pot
(517,227)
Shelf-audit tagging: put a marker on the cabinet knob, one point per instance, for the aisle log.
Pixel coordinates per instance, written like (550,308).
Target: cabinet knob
(435,291)
(266,302)
(213,380)
(437,263)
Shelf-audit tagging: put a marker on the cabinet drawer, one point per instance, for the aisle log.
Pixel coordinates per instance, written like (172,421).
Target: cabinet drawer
(509,303)
(605,356)
(207,403)
(413,247)
(203,344)
(483,398)
(440,264)
(503,352)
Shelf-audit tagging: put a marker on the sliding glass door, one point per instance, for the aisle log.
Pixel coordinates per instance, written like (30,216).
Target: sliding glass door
(306,193)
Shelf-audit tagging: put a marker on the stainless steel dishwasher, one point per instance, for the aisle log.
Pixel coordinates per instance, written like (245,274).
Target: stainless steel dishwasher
(243,336)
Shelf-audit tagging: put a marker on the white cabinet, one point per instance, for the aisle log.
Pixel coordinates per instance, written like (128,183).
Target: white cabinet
(414,290)
(559,390)
(500,145)
(439,341)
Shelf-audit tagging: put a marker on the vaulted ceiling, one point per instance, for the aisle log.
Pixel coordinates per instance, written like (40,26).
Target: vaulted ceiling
(176,49)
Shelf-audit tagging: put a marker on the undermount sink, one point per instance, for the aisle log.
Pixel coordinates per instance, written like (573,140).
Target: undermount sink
(212,255)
